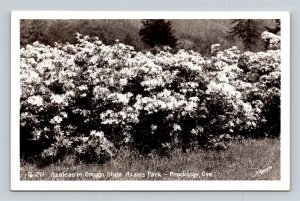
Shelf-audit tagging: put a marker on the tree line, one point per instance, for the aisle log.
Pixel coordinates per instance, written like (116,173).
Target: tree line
(248,31)
(147,34)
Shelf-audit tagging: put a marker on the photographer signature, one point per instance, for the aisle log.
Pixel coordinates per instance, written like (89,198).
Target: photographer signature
(263,171)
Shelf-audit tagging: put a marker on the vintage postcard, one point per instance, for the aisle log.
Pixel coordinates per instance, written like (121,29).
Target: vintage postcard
(150,101)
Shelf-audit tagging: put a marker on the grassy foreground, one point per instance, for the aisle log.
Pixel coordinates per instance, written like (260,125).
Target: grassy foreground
(248,159)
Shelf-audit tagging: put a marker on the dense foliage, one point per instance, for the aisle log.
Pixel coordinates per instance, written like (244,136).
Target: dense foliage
(192,34)
(48,32)
(90,99)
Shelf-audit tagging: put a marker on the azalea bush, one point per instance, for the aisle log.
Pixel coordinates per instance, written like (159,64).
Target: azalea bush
(90,99)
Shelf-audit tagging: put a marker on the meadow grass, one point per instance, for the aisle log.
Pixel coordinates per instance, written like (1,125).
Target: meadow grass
(248,159)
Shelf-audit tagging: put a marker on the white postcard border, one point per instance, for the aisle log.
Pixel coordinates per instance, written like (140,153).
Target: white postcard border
(259,185)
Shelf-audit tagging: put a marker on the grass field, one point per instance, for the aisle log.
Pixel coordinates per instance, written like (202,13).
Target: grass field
(248,159)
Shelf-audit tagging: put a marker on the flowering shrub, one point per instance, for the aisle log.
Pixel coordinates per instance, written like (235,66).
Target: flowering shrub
(90,99)
(272,39)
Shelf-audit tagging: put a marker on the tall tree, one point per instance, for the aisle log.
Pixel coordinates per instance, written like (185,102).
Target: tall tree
(248,31)
(158,32)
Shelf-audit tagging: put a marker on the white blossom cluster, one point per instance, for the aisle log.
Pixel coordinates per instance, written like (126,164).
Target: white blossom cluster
(72,94)
(272,39)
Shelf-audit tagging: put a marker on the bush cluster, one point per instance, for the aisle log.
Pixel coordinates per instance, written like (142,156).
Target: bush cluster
(90,99)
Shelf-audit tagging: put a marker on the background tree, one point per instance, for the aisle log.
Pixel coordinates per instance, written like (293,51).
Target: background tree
(158,32)
(248,31)
(32,30)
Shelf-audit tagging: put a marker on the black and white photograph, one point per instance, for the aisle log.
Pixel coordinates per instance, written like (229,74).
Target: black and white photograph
(150,101)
